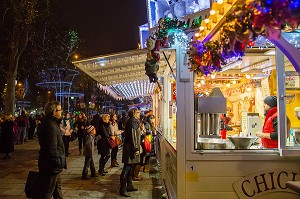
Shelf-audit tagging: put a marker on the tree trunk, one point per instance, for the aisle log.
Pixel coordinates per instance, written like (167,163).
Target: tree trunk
(11,87)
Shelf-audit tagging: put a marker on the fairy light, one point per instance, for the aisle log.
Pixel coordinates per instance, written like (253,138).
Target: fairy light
(213,76)
(248,76)
(220,1)
(206,20)
(212,12)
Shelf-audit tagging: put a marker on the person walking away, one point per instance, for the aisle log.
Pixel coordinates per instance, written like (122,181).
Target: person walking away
(96,122)
(88,152)
(67,129)
(103,145)
(22,127)
(31,126)
(131,151)
(115,132)
(122,123)
(80,124)
(52,159)
(7,136)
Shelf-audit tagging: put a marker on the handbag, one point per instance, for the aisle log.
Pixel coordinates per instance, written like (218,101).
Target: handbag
(73,136)
(119,140)
(112,143)
(31,184)
(147,145)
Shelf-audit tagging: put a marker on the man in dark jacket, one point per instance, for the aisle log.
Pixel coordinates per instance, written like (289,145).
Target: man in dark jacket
(131,151)
(52,158)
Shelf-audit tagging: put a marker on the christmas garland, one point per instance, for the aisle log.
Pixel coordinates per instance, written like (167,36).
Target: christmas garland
(160,39)
(242,27)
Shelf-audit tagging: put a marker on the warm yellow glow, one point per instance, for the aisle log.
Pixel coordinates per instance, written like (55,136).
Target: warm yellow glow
(197,34)
(234,82)
(201,28)
(199,85)
(202,81)
(49,92)
(19,84)
(249,89)
(206,20)
(228,85)
(76,56)
(212,12)
(213,76)
(248,76)
(220,1)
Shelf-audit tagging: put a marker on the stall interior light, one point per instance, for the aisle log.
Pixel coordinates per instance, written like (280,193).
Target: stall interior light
(270,52)
(259,65)
(134,89)
(268,69)
(232,65)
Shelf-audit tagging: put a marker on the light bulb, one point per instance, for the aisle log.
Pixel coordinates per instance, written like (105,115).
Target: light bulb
(197,34)
(213,76)
(248,76)
(234,82)
(212,12)
(201,28)
(220,1)
(206,20)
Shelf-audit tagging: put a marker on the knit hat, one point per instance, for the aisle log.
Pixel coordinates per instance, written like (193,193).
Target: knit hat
(89,128)
(271,101)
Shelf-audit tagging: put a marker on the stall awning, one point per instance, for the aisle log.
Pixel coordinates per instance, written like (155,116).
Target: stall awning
(122,74)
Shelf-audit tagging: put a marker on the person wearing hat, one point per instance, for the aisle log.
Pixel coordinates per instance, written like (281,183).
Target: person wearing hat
(269,134)
(88,152)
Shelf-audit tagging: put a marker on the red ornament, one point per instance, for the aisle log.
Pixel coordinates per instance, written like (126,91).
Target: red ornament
(251,43)
(258,24)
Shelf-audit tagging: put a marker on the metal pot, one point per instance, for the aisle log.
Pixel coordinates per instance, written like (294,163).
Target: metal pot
(211,143)
(242,142)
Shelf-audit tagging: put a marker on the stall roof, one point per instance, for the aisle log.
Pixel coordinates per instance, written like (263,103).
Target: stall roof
(122,74)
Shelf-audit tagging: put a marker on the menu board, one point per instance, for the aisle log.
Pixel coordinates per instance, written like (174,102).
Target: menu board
(265,87)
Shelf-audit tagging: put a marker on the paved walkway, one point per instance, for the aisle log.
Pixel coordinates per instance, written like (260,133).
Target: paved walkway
(13,174)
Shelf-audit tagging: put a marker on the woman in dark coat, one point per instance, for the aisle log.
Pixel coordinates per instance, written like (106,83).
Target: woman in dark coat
(131,151)
(80,124)
(7,136)
(103,145)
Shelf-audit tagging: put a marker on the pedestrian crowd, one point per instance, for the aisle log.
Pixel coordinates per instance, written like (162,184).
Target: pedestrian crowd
(105,134)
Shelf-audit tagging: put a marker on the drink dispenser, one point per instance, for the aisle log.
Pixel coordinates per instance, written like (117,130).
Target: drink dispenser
(207,114)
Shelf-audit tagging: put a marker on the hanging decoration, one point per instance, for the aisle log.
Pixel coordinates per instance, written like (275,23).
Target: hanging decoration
(205,58)
(160,39)
(246,23)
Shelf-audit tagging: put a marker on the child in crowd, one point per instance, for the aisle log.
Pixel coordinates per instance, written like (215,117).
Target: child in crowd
(89,151)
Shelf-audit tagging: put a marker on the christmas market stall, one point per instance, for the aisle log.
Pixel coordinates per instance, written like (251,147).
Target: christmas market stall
(213,101)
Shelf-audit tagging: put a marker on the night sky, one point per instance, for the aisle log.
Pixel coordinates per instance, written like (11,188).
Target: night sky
(106,26)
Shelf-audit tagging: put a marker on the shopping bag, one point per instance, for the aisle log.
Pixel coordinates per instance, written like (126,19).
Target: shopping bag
(119,140)
(147,144)
(31,184)
(112,143)
(73,136)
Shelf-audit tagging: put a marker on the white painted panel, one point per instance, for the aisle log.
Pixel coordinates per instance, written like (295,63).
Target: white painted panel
(211,184)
